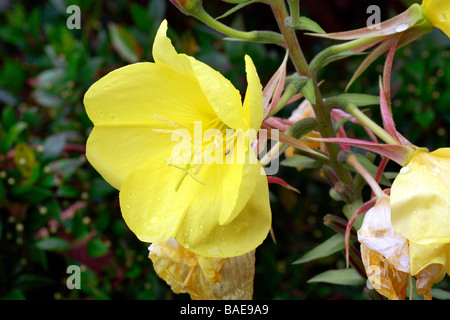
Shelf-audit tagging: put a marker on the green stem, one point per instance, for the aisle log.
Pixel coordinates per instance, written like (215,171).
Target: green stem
(325,126)
(256,36)
(376,129)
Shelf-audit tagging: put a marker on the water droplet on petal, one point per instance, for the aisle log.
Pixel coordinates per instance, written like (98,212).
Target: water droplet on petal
(401,27)
(154,219)
(113,117)
(127,206)
(405,170)
(435,172)
(442,17)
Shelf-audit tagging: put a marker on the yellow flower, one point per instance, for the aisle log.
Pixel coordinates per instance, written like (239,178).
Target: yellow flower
(140,111)
(438,13)
(203,278)
(420,202)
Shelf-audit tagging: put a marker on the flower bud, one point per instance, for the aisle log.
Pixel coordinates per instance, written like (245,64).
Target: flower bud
(187,6)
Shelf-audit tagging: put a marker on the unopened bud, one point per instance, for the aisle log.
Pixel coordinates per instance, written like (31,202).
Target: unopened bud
(187,6)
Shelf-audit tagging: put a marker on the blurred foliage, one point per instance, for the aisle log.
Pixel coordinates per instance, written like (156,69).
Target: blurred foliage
(56,210)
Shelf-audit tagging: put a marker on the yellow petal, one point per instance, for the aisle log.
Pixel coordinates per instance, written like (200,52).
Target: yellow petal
(253,102)
(203,278)
(165,53)
(127,104)
(423,256)
(154,211)
(222,96)
(420,199)
(438,12)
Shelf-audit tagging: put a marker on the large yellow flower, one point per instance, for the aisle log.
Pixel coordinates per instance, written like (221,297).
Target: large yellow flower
(420,202)
(438,13)
(214,209)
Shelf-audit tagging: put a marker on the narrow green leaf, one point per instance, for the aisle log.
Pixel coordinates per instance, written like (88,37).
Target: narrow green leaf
(327,248)
(124,43)
(361,100)
(309,92)
(236,8)
(309,25)
(53,244)
(299,161)
(341,276)
(440,294)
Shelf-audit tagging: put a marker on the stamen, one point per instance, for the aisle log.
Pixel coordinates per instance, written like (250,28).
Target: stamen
(186,171)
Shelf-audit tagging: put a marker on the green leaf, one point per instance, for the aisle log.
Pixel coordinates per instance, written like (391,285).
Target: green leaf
(440,294)
(341,276)
(372,168)
(53,244)
(361,100)
(299,161)
(309,92)
(309,25)
(239,6)
(327,248)
(348,211)
(13,133)
(96,248)
(124,43)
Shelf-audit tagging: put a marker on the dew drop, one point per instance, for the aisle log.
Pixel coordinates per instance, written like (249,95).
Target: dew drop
(101,113)
(191,230)
(401,27)
(442,17)
(226,85)
(154,219)
(201,226)
(435,172)
(128,206)
(405,170)
(113,117)
(131,194)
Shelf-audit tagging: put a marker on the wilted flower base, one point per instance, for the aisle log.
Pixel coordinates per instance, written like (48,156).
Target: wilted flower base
(201,277)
